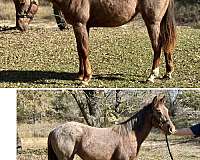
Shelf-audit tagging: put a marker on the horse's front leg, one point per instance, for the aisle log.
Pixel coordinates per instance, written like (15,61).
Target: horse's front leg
(59,17)
(81,34)
(154,34)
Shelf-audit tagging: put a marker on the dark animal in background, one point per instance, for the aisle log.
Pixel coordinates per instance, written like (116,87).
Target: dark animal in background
(119,142)
(158,16)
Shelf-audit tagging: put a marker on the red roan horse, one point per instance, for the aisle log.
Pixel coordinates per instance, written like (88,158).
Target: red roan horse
(119,142)
(158,16)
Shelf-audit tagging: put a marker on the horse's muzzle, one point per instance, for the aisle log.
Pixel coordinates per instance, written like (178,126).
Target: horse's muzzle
(171,130)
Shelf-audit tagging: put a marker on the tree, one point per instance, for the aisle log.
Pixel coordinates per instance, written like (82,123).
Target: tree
(89,104)
(172,96)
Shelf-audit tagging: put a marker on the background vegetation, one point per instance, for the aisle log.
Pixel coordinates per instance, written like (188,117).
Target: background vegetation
(38,112)
(187,12)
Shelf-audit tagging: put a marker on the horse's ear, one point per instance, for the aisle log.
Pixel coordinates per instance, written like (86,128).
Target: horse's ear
(162,100)
(22,1)
(155,100)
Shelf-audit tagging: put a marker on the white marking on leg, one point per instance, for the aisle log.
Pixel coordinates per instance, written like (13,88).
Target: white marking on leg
(168,75)
(154,74)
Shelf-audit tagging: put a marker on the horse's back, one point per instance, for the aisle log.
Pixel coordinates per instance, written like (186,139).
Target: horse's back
(68,132)
(70,128)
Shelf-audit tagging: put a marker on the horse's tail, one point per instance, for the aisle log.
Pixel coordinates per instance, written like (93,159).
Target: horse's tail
(51,153)
(168,29)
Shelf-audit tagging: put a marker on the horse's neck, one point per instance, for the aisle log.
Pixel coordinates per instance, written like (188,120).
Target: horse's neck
(143,132)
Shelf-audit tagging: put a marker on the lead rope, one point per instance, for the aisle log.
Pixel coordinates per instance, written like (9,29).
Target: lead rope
(168,147)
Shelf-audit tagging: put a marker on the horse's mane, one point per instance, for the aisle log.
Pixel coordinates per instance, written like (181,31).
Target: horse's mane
(135,122)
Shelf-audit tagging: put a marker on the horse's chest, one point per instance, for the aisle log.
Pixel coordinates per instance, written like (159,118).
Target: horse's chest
(127,150)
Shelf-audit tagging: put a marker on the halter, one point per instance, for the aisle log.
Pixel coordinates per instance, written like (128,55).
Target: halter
(160,121)
(25,14)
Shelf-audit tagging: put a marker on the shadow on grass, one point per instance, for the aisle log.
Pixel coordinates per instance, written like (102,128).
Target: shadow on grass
(34,76)
(109,77)
(7,28)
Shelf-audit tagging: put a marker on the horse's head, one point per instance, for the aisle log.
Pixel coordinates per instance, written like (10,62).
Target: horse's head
(25,11)
(160,116)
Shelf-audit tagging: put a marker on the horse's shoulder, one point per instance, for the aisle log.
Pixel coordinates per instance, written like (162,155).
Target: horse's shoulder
(119,129)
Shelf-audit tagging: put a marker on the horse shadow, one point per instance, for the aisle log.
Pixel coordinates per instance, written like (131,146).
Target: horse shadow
(7,28)
(32,76)
(15,76)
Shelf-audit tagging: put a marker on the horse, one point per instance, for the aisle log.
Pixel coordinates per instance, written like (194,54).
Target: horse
(119,142)
(25,11)
(158,16)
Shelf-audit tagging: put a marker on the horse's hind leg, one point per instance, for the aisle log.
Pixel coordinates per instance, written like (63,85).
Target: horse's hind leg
(154,34)
(168,33)
(169,63)
(81,34)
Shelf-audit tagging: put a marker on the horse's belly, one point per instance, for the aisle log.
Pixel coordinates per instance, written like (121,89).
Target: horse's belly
(98,144)
(111,13)
(112,22)
(97,151)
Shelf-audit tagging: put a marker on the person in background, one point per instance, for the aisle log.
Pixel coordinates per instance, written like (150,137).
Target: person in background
(190,131)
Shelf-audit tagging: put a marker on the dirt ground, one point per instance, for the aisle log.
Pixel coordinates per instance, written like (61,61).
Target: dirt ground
(153,148)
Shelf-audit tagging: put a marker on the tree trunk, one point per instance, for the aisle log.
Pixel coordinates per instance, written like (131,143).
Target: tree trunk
(89,104)
(93,103)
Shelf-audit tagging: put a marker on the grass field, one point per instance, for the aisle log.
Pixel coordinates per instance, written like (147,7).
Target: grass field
(120,57)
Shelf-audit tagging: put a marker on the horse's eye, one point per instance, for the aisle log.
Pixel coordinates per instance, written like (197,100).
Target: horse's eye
(158,113)
(22,1)
(22,4)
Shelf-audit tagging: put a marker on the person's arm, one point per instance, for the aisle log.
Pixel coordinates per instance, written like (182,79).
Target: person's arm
(184,132)
(196,130)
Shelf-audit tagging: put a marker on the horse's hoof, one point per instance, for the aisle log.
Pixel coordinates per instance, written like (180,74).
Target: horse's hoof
(87,78)
(84,83)
(80,77)
(151,80)
(167,76)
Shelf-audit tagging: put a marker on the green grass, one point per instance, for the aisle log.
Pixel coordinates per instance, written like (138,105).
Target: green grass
(120,57)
